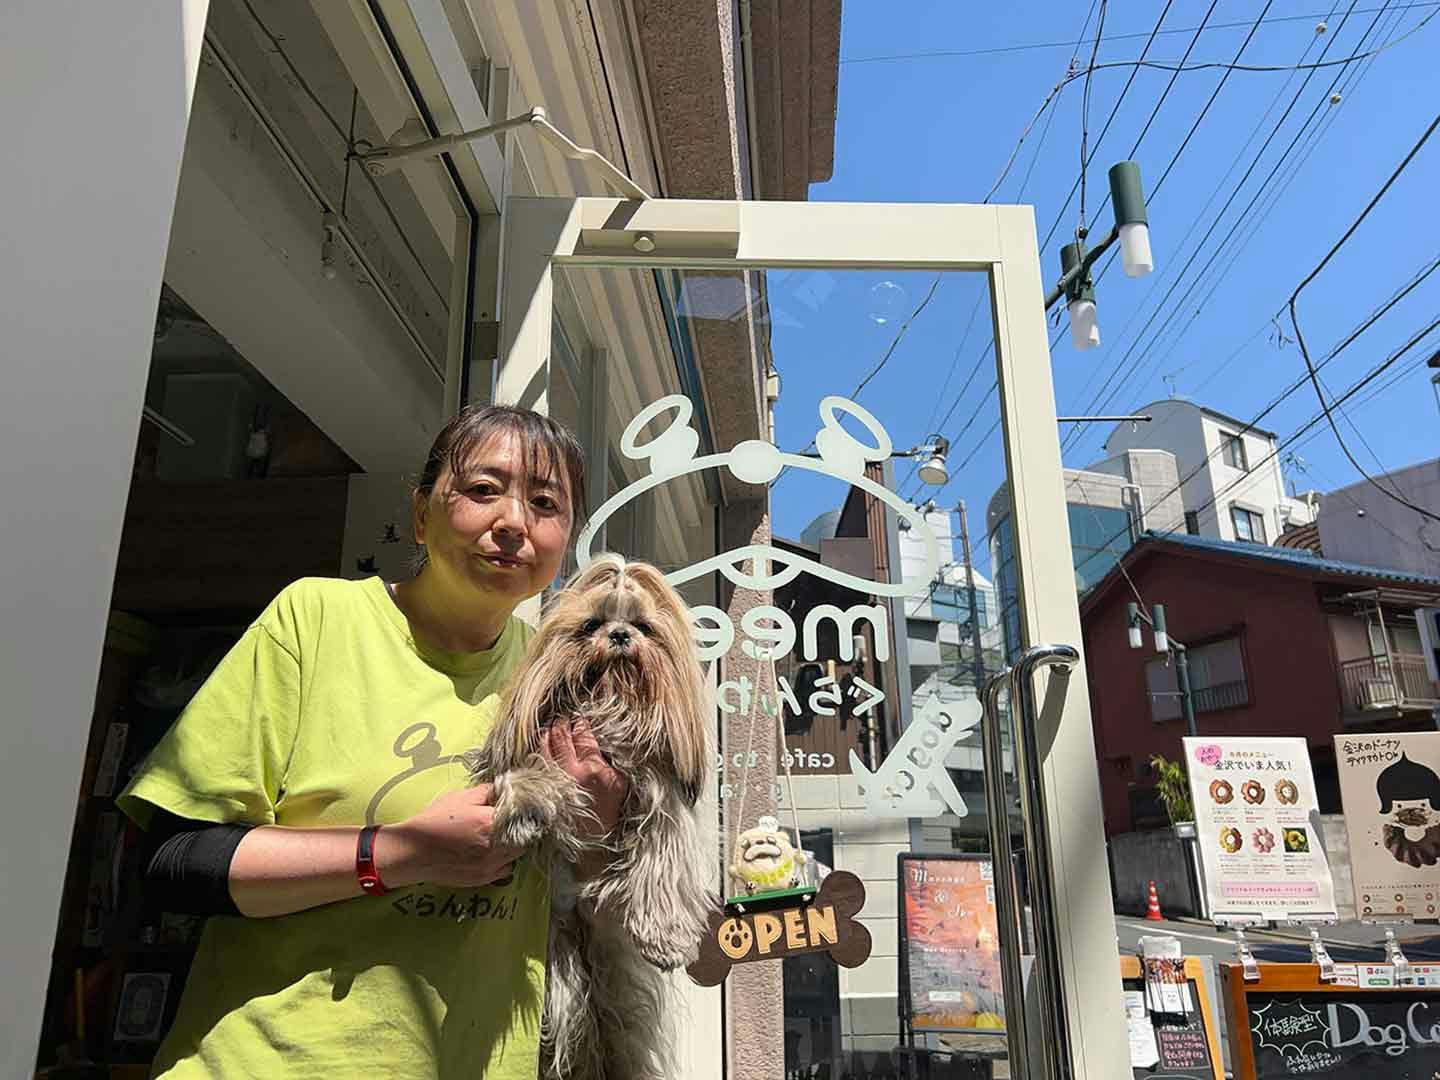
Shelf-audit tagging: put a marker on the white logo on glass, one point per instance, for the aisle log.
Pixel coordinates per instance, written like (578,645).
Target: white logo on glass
(912,781)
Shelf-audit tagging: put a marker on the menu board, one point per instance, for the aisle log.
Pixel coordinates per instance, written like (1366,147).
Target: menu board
(1171,1046)
(1255,819)
(949,944)
(1390,788)
(1288,1025)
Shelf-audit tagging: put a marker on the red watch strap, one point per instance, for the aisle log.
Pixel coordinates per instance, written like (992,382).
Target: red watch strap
(365,862)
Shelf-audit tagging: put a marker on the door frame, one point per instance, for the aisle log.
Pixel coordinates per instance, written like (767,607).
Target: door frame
(999,241)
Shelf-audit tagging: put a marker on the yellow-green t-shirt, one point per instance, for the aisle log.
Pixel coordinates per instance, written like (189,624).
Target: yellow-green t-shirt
(328,712)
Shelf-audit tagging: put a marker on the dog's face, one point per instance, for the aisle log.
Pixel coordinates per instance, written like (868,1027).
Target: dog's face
(616,643)
(619,621)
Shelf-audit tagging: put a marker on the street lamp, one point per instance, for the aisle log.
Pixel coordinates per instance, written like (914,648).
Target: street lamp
(1132,229)
(1131,219)
(1079,297)
(934,471)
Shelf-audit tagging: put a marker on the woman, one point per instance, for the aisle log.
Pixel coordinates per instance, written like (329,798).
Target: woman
(322,761)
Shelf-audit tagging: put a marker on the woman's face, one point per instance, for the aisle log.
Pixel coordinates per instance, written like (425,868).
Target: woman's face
(494,529)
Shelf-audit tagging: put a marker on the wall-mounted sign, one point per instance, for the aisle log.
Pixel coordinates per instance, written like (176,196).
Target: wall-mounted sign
(1390,788)
(949,944)
(1256,821)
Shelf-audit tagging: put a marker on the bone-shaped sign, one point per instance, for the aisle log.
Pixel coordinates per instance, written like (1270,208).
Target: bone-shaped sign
(826,923)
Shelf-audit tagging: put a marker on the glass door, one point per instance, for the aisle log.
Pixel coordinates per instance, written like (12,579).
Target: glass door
(833,427)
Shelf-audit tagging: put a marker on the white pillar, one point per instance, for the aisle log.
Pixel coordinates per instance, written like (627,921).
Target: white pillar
(96,101)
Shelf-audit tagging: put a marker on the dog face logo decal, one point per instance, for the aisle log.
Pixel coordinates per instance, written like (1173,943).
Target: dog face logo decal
(912,781)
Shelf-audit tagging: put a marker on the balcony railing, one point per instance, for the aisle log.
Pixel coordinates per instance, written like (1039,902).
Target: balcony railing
(1387,682)
(1225,695)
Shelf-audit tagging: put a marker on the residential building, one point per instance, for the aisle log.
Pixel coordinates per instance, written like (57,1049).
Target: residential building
(1233,486)
(1362,522)
(1280,642)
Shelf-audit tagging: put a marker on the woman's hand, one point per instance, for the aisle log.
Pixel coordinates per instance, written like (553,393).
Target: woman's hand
(450,842)
(574,748)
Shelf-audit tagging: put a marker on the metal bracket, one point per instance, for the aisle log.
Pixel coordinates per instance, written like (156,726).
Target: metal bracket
(1393,955)
(1245,957)
(1321,957)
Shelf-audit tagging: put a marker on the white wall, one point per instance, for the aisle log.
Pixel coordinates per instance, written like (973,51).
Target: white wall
(1194,436)
(88,192)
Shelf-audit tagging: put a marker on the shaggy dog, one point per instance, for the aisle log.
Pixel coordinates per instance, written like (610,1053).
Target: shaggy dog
(614,648)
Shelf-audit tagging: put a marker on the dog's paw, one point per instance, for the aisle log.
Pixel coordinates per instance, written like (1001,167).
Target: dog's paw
(520,828)
(531,804)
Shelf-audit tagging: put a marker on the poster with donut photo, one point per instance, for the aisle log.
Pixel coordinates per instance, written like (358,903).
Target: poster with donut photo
(1390,792)
(1256,824)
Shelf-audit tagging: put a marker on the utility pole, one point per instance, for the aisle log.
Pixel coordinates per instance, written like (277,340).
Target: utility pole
(979,658)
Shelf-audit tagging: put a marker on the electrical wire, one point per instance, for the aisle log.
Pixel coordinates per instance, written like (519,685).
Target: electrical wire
(1080,232)
(1074,433)
(1300,337)
(1241,237)
(1375,372)
(1086,159)
(1028,47)
(1101,398)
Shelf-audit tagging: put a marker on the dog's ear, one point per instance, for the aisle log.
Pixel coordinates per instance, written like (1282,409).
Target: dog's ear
(682,686)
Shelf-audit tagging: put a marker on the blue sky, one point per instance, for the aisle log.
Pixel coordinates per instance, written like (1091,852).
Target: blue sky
(940,129)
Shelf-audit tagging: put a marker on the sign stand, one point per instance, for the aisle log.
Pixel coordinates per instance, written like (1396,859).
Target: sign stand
(1321,956)
(1244,957)
(1393,955)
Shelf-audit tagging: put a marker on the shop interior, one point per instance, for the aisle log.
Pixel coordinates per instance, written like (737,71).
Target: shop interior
(235,493)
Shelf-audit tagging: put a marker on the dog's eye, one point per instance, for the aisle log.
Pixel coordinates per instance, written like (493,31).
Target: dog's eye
(591,626)
(642,626)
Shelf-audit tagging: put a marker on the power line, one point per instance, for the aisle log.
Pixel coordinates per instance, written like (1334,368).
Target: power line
(1074,433)
(1241,236)
(1374,373)
(1085,116)
(945,54)
(1100,399)
(1300,337)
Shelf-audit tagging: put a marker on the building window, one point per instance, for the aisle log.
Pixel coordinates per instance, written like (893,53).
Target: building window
(1192,522)
(1232,447)
(1217,681)
(1248,524)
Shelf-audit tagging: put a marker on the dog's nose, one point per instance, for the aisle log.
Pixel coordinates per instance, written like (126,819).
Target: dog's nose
(620,636)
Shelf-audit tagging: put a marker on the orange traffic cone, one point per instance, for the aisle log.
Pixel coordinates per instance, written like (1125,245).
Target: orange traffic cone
(1152,906)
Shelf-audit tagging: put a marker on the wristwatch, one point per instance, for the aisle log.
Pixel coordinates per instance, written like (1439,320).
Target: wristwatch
(365,862)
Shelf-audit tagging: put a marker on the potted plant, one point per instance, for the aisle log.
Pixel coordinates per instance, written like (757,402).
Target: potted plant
(1172,787)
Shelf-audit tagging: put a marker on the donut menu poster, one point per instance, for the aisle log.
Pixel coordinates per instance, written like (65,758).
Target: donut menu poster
(1255,822)
(1390,788)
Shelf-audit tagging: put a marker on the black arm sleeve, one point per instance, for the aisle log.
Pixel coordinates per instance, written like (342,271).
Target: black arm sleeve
(188,870)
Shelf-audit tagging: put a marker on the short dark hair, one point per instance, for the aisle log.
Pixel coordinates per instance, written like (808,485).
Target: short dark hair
(548,448)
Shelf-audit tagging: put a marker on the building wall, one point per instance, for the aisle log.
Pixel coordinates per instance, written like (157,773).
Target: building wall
(1285,640)
(98,96)
(1194,436)
(1388,534)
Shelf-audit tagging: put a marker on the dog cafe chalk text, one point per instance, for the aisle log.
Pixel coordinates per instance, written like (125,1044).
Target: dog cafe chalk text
(1308,1037)
(912,780)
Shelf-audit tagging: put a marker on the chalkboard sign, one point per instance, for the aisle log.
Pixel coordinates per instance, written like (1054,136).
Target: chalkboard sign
(1290,1024)
(1189,1047)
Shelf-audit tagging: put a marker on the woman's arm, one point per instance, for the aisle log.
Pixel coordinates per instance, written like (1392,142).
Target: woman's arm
(272,870)
(277,870)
